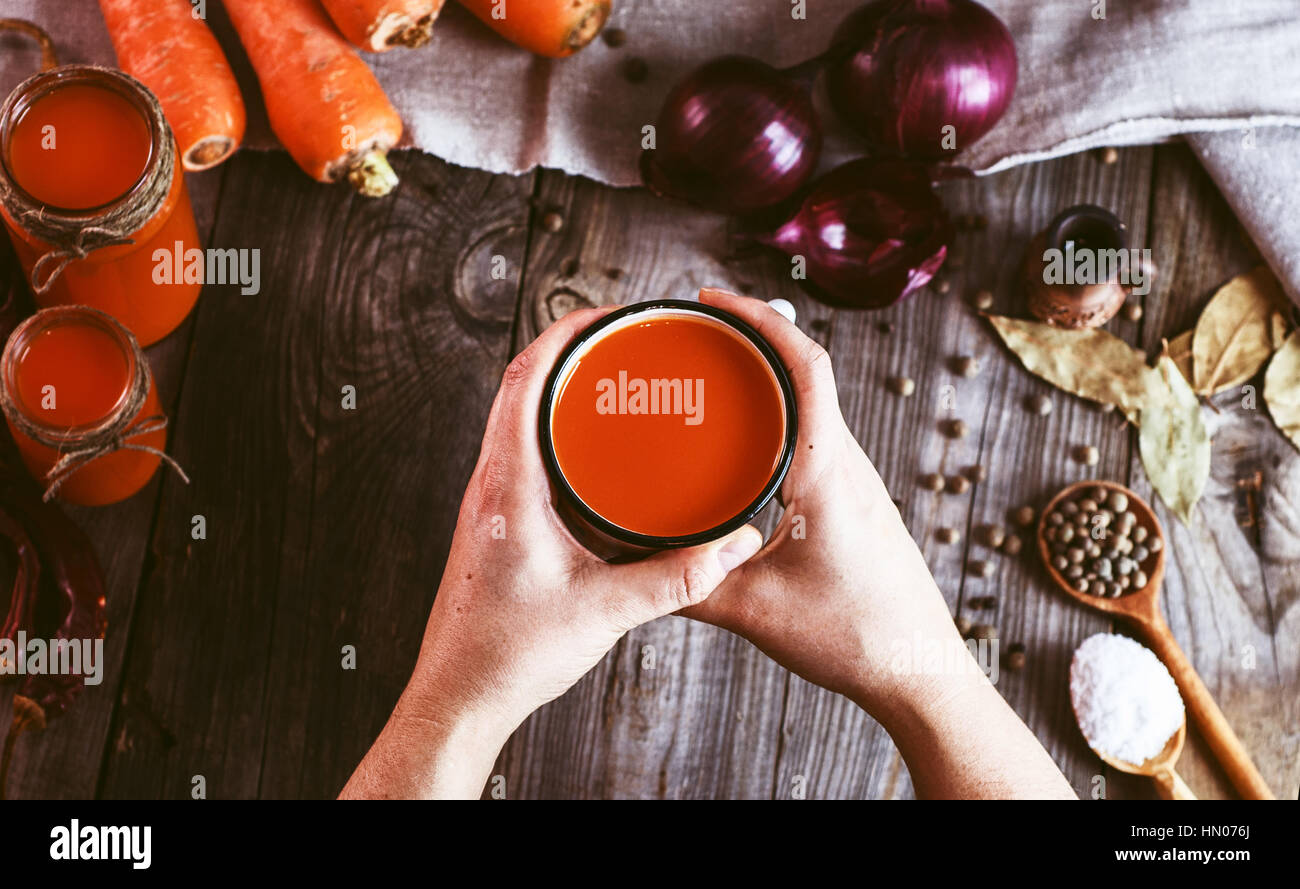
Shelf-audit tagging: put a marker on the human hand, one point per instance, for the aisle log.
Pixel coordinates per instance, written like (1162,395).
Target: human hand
(842,596)
(841,583)
(523,610)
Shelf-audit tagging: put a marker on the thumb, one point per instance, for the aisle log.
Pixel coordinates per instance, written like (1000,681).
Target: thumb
(678,578)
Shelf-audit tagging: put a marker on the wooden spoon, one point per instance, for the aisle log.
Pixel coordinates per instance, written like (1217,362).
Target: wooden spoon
(1159,767)
(1141,609)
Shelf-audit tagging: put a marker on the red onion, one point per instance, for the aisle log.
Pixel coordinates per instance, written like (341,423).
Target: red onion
(903,70)
(871,231)
(736,135)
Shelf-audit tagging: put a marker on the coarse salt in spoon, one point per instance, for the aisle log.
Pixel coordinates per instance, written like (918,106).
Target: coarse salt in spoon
(1129,710)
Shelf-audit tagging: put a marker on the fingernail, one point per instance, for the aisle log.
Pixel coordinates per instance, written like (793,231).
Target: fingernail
(783,307)
(739,549)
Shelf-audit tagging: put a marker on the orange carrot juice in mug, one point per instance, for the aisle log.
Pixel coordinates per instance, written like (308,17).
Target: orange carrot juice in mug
(665,424)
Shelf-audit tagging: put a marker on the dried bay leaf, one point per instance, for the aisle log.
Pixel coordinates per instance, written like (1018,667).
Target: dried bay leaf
(1179,349)
(1282,388)
(1235,333)
(1090,363)
(1280,326)
(1173,441)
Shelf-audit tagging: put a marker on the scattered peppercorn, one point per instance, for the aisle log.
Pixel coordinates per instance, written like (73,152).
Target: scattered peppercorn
(1040,404)
(1015,656)
(966,366)
(615,37)
(947,535)
(1024,516)
(984,603)
(1087,455)
(552,221)
(1011,546)
(981,568)
(963,625)
(932,481)
(635,70)
(1133,311)
(885,327)
(984,631)
(903,386)
(957,484)
(983,300)
(977,474)
(942,286)
(956,429)
(1109,155)
(992,536)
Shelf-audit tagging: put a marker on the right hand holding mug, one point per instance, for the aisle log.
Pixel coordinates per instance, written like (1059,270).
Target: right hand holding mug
(842,596)
(841,581)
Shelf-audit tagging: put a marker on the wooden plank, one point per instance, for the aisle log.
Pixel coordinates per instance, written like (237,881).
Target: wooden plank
(1026,458)
(329,527)
(64,761)
(705,721)
(325,527)
(1234,577)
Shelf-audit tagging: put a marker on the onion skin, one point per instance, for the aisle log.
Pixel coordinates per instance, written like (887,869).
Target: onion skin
(902,70)
(736,135)
(871,232)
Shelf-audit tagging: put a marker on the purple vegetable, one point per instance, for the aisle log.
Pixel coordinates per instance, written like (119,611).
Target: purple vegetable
(870,231)
(921,78)
(735,135)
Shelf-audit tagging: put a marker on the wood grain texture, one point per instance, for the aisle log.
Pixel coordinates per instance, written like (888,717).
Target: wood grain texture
(326,526)
(329,526)
(620,246)
(1234,576)
(65,761)
(677,709)
(1025,456)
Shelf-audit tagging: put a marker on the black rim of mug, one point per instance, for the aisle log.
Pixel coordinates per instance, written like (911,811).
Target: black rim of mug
(649,541)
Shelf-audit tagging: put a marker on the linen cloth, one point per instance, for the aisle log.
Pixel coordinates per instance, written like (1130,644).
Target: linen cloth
(1091,73)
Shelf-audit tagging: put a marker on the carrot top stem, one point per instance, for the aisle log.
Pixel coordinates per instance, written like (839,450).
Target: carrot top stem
(416,35)
(209,152)
(49,58)
(371,175)
(587,28)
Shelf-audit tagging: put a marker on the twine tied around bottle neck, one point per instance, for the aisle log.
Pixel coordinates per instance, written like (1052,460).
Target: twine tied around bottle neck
(75,244)
(71,235)
(81,445)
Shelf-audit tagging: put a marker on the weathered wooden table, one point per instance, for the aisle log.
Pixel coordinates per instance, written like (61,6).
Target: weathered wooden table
(328,527)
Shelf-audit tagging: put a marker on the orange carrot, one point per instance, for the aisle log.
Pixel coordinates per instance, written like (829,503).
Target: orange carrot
(168,48)
(324,104)
(379,25)
(554,28)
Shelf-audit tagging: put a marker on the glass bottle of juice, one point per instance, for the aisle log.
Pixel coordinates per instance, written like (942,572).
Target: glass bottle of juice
(93,196)
(80,401)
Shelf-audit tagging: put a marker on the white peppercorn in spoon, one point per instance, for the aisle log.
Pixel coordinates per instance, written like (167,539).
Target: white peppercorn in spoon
(1140,608)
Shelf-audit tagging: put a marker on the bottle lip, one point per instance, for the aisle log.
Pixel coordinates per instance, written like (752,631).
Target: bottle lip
(23,417)
(41,84)
(1081,219)
(650,542)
